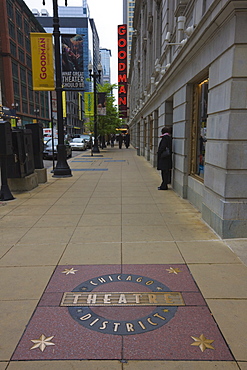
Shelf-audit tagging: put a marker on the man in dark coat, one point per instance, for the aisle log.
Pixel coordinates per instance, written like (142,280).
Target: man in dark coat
(120,140)
(165,161)
(127,140)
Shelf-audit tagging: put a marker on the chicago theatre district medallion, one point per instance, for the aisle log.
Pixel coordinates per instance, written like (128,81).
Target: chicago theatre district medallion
(84,300)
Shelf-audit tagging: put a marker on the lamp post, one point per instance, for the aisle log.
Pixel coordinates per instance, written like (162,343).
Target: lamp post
(62,168)
(36,111)
(95,75)
(15,107)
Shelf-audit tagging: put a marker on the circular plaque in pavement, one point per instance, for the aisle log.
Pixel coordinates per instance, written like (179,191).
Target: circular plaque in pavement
(122,304)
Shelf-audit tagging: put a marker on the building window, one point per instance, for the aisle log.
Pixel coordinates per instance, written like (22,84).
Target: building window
(28,45)
(24,92)
(12,49)
(151,133)
(16,88)
(18,18)
(29,61)
(10,10)
(15,70)
(145,133)
(199,128)
(30,95)
(29,79)
(11,29)
(36,97)
(21,55)
(24,107)
(26,27)
(20,37)
(23,75)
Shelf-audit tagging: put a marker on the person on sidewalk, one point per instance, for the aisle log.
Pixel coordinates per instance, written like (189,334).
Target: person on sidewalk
(112,139)
(165,157)
(120,140)
(127,140)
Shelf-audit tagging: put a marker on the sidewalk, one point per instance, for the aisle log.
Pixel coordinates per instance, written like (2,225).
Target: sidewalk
(109,234)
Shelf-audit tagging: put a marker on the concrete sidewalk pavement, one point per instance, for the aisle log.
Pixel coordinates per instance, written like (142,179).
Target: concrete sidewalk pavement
(108,229)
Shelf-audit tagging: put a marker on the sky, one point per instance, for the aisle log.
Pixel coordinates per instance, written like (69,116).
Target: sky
(107,15)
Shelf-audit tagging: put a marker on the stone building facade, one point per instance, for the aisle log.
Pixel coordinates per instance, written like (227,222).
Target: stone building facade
(189,69)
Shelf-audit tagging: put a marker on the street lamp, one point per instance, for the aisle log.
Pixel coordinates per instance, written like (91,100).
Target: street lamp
(36,111)
(15,107)
(62,168)
(95,75)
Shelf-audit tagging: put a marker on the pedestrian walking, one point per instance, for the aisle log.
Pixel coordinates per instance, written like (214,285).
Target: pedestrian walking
(112,140)
(127,140)
(120,141)
(165,157)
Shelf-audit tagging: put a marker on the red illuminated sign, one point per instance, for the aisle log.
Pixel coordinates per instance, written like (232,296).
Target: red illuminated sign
(122,70)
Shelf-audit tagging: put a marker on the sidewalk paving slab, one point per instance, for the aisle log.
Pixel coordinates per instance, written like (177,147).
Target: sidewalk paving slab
(124,333)
(117,222)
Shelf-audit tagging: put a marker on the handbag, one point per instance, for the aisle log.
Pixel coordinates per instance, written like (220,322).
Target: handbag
(165,153)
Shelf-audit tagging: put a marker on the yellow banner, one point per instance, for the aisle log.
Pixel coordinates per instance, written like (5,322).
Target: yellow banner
(42,61)
(89,104)
(64,104)
(79,105)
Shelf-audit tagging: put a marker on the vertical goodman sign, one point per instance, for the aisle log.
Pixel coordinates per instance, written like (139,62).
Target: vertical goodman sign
(122,70)
(42,61)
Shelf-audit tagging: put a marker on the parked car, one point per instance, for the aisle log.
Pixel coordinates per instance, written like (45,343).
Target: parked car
(47,152)
(88,140)
(46,138)
(78,144)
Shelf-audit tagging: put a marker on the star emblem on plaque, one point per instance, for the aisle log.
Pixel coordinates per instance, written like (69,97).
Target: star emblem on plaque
(202,342)
(42,342)
(175,271)
(69,271)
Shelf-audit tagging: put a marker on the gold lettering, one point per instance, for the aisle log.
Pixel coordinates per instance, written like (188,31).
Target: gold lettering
(139,279)
(129,278)
(107,298)
(129,326)
(160,317)
(91,298)
(137,296)
(86,317)
(119,277)
(122,299)
(150,322)
(94,322)
(110,278)
(152,298)
(116,325)
(76,297)
(142,325)
(168,298)
(104,324)
(150,282)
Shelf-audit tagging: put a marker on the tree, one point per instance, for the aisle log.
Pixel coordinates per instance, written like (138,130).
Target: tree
(107,124)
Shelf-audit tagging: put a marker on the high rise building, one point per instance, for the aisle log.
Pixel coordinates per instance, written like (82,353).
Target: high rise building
(105,55)
(16,89)
(128,16)
(75,20)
